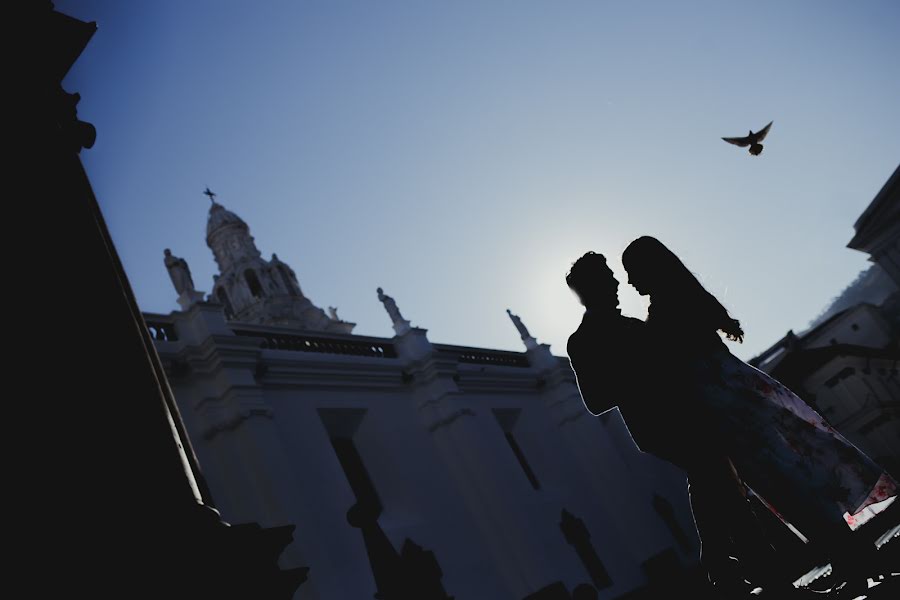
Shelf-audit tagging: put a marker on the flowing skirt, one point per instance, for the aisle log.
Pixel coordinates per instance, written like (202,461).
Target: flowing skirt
(785,451)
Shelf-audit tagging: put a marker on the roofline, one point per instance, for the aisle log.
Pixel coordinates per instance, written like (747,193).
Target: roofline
(880,199)
(812,359)
(248,328)
(760,358)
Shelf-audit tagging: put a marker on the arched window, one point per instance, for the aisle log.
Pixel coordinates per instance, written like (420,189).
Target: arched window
(222,295)
(253,283)
(286,278)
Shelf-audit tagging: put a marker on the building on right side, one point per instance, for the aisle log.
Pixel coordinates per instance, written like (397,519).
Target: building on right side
(846,364)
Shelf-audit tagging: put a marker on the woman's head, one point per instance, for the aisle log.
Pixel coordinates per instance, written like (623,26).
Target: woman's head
(656,271)
(592,279)
(650,265)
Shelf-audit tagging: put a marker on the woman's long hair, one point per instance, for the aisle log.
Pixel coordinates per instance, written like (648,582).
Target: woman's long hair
(647,259)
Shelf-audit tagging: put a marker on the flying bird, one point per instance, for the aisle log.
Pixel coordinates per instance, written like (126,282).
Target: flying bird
(753,140)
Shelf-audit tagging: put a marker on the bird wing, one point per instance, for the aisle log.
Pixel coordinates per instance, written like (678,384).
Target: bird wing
(741,141)
(762,133)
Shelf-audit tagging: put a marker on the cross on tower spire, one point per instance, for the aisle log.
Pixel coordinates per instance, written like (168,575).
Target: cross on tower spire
(212,195)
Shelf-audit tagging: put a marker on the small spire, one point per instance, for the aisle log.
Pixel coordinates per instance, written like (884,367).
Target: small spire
(212,195)
(401,325)
(529,340)
(180,274)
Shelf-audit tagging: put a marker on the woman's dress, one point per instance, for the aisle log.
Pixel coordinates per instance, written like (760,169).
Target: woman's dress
(784,450)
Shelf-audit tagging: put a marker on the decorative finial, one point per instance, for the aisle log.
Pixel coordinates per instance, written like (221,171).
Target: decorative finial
(401,325)
(529,340)
(180,274)
(212,195)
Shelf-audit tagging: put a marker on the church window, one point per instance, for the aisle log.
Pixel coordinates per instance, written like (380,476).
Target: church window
(507,418)
(356,473)
(523,462)
(341,425)
(288,285)
(253,283)
(222,295)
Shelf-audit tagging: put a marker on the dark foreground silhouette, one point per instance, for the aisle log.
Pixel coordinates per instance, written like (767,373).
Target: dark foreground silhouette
(685,399)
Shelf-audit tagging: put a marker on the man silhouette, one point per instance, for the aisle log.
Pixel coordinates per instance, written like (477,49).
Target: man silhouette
(615,365)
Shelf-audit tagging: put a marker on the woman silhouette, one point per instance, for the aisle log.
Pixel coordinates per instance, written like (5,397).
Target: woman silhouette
(780,447)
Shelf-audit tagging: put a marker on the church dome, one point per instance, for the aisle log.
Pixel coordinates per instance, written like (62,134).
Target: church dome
(220,217)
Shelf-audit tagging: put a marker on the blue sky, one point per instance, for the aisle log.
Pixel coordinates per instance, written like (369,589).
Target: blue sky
(462,154)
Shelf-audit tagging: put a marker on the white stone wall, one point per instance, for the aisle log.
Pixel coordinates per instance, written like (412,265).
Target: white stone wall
(425,426)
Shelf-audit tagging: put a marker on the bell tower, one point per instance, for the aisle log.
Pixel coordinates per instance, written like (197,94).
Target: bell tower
(229,238)
(255,290)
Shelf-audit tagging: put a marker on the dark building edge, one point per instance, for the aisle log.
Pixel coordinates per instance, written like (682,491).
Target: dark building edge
(106,496)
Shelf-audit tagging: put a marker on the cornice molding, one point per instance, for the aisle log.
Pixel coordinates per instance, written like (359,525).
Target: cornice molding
(445,421)
(219,414)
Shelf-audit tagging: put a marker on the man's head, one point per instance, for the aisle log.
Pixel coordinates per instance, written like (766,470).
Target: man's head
(593,281)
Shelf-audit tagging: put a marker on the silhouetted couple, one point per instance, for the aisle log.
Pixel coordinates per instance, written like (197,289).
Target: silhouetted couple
(730,427)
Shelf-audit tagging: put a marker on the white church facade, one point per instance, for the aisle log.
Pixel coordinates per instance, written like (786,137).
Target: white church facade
(481,468)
